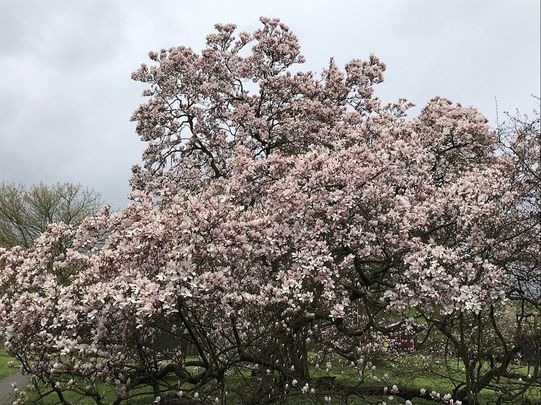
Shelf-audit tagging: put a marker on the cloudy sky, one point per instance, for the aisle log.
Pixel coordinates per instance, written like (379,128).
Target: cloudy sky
(66,95)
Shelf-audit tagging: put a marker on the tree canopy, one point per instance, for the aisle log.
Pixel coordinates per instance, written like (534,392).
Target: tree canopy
(26,212)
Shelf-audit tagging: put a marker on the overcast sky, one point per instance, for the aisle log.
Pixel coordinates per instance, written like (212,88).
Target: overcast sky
(66,95)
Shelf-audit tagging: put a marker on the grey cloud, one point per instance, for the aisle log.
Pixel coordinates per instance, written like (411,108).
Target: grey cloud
(66,96)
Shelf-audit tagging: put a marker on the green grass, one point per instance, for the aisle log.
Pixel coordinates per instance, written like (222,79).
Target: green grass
(410,371)
(5,370)
(109,396)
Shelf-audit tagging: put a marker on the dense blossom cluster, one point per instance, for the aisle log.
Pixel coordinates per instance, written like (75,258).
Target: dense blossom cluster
(280,220)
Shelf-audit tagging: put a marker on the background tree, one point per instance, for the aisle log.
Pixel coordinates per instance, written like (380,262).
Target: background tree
(26,212)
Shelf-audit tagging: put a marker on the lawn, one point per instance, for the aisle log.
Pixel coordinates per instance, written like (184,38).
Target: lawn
(402,372)
(5,359)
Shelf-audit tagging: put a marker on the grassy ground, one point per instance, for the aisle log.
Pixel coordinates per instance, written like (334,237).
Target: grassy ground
(5,370)
(406,372)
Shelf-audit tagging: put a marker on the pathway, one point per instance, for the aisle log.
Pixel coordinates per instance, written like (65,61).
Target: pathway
(6,390)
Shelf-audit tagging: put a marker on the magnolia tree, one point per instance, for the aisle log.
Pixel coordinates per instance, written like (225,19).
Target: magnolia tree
(290,223)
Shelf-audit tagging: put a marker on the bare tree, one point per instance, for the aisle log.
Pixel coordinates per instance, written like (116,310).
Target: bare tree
(26,212)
